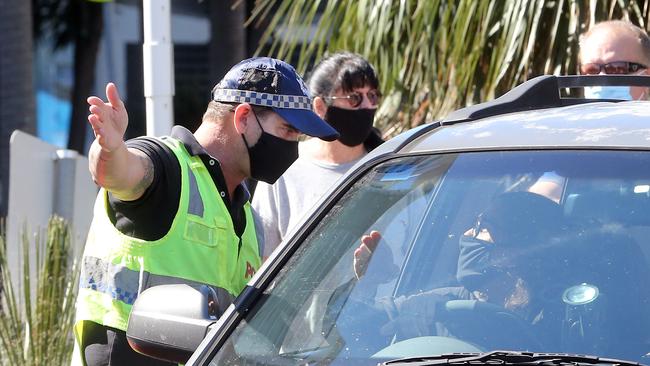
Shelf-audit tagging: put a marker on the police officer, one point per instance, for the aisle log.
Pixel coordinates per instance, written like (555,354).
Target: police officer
(174,209)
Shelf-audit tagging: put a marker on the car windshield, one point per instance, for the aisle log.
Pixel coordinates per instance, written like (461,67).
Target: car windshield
(542,251)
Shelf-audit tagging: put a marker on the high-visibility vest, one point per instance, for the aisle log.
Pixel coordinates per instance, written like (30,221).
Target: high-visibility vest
(201,247)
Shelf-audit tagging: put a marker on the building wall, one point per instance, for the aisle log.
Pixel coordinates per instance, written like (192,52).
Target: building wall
(120,58)
(17,107)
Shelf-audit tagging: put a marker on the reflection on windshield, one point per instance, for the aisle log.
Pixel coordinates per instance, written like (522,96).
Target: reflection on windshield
(528,251)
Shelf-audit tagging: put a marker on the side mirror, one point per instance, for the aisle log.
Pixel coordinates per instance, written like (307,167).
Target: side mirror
(168,322)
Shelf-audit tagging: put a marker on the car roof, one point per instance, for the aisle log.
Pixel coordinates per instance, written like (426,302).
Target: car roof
(534,115)
(590,125)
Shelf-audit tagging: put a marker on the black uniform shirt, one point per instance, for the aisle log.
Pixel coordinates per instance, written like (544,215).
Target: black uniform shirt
(150,216)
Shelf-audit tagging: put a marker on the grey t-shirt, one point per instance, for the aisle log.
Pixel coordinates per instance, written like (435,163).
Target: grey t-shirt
(279,207)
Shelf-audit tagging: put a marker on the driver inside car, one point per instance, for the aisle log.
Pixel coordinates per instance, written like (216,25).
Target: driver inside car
(499,268)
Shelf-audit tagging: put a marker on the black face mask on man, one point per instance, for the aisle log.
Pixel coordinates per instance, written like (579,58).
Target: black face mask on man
(271,156)
(353,125)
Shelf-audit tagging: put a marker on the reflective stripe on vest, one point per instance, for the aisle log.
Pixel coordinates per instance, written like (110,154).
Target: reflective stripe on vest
(201,247)
(123,284)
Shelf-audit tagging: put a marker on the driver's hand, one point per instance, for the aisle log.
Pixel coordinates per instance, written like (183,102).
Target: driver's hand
(414,315)
(364,252)
(405,326)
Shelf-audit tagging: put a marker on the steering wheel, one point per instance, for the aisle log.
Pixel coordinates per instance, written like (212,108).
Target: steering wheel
(487,325)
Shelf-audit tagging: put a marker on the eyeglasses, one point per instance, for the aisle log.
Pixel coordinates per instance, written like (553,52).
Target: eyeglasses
(356,98)
(617,67)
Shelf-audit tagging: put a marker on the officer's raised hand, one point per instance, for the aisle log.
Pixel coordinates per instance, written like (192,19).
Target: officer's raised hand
(108,119)
(126,173)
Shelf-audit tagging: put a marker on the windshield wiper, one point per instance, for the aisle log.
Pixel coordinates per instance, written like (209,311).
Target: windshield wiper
(509,358)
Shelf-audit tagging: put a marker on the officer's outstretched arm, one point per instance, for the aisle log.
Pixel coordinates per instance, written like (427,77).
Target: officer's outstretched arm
(124,172)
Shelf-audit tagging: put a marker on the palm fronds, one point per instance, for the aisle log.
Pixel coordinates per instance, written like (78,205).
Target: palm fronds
(434,56)
(36,325)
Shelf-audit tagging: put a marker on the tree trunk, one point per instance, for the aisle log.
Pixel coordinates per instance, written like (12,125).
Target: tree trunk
(228,38)
(85,56)
(17,105)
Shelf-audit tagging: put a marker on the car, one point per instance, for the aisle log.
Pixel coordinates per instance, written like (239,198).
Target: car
(513,231)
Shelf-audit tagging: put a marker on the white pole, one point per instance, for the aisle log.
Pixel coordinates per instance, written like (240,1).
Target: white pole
(158,66)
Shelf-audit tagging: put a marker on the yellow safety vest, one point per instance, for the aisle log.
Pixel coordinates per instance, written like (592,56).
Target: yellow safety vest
(201,247)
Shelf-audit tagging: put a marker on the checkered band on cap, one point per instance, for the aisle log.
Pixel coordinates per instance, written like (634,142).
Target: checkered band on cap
(262,99)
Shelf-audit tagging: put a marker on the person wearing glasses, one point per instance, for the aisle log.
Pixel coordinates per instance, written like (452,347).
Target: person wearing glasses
(615,47)
(345,92)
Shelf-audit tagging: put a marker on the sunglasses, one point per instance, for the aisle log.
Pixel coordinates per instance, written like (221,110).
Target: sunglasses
(617,67)
(355,98)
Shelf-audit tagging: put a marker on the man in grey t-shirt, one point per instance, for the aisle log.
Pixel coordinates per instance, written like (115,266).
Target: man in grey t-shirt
(345,93)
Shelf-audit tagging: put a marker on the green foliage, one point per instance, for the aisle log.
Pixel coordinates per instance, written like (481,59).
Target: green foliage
(434,56)
(36,327)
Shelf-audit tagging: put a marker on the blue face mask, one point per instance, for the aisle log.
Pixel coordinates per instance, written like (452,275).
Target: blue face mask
(608,92)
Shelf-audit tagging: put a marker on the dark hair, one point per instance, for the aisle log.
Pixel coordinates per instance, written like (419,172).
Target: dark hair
(517,218)
(341,71)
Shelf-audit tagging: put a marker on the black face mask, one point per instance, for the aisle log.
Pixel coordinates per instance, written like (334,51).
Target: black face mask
(353,125)
(271,156)
(474,262)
